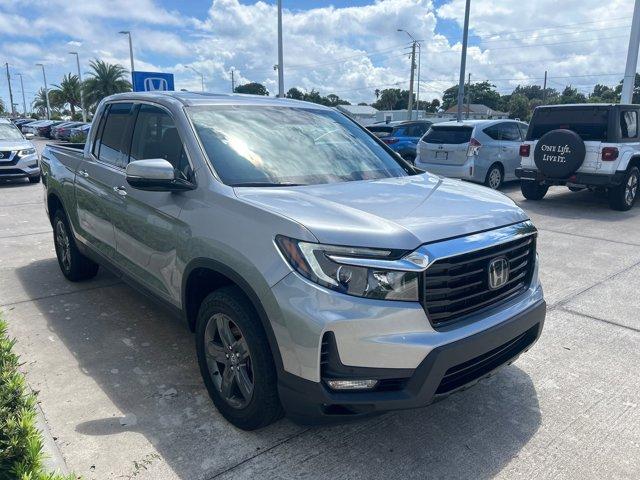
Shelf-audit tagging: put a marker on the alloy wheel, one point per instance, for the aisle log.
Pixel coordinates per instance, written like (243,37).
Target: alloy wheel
(631,188)
(495,178)
(63,245)
(229,360)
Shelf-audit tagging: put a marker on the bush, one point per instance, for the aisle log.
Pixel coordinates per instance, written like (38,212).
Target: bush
(20,441)
(78,138)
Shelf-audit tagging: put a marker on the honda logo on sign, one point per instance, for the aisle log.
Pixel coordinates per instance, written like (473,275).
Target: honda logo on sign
(155,84)
(498,273)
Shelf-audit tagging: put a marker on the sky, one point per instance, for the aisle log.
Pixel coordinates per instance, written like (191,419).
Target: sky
(346,47)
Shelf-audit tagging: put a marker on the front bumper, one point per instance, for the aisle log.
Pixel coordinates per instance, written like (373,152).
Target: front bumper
(28,166)
(445,370)
(580,178)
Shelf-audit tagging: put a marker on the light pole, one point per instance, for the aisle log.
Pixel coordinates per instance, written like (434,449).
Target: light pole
(280,53)
(13,108)
(24,102)
(201,75)
(463,59)
(128,33)
(414,44)
(632,57)
(46,90)
(84,112)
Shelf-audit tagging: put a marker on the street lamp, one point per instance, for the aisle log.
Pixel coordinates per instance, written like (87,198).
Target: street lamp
(201,75)
(127,32)
(463,59)
(84,112)
(46,90)
(414,44)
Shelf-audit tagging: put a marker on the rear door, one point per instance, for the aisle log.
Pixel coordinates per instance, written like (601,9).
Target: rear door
(510,148)
(148,227)
(99,176)
(446,144)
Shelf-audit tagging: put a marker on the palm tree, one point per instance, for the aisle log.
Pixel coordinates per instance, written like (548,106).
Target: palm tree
(40,103)
(105,79)
(68,92)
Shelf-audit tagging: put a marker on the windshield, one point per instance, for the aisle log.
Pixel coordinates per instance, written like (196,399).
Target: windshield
(452,134)
(271,145)
(9,132)
(590,123)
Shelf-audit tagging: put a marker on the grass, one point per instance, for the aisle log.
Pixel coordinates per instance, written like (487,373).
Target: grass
(21,456)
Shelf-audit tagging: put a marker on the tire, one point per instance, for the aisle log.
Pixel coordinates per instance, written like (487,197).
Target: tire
(73,264)
(246,408)
(494,177)
(35,179)
(624,195)
(533,190)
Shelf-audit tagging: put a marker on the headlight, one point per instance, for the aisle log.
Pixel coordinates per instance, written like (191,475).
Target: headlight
(26,151)
(362,272)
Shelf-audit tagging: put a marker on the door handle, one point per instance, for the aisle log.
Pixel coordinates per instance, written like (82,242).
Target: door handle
(120,191)
(83,173)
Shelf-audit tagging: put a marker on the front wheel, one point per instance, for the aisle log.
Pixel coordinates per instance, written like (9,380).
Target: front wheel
(533,190)
(235,360)
(624,195)
(494,177)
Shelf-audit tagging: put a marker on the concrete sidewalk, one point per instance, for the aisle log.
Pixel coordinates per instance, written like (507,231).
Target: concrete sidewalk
(122,395)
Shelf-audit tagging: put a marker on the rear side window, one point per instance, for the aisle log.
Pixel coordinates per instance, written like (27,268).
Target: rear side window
(589,123)
(155,136)
(511,132)
(112,145)
(449,134)
(629,124)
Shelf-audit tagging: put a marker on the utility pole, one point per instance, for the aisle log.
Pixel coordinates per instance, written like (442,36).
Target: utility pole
(280,53)
(413,68)
(201,75)
(418,99)
(46,90)
(13,108)
(468,95)
(629,81)
(24,102)
(544,89)
(463,58)
(233,82)
(127,32)
(84,111)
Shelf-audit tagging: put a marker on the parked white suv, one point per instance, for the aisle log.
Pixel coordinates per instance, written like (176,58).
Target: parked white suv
(583,146)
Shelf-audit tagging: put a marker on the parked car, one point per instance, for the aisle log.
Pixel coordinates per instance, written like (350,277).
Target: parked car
(28,127)
(62,131)
(18,155)
(45,130)
(402,137)
(23,122)
(323,277)
(483,151)
(37,128)
(79,134)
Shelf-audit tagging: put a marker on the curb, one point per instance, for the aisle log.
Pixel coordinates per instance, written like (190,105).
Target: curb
(53,460)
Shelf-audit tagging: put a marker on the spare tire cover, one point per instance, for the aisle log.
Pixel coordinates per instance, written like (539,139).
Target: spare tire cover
(559,153)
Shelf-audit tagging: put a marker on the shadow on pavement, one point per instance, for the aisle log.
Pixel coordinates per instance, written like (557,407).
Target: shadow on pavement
(14,182)
(143,362)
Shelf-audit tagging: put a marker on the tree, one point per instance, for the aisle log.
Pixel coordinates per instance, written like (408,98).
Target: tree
(392,99)
(481,92)
(571,95)
(105,79)
(603,94)
(519,107)
(295,94)
(636,89)
(363,104)
(68,92)
(252,88)
(334,100)
(377,93)
(40,103)
(2,110)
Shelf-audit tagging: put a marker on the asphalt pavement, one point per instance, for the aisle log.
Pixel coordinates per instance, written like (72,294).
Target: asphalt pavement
(123,398)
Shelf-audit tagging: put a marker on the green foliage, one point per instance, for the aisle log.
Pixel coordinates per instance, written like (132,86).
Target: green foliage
(518,107)
(314,96)
(78,138)
(392,99)
(481,92)
(252,88)
(40,104)
(67,92)
(105,79)
(295,94)
(571,95)
(20,441)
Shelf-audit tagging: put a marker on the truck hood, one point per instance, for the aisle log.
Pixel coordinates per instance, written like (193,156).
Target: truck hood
(400,213)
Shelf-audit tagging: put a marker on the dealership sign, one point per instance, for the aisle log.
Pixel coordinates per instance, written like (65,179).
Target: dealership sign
(152,82)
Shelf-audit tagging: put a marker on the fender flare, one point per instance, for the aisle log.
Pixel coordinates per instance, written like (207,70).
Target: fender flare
(253,297)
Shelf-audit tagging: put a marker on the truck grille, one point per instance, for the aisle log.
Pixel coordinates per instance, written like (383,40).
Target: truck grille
(458,286)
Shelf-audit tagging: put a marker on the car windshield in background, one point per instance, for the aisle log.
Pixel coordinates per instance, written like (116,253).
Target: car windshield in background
(254,145)
(588,123)
(9,132)
(448,134)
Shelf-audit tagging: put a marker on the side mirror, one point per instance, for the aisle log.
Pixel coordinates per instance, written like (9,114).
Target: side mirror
(29,136)
(155,175)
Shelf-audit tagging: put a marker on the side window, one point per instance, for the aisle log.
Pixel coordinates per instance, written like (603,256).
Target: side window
(510,132)
(494,132)
(112,145)
(629,124)
(523,129)
(155,136)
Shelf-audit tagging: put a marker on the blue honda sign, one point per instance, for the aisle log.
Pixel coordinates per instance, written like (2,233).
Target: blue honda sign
(152,81)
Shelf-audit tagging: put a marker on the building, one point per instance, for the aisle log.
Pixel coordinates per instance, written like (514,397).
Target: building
(363,114)
(477,111)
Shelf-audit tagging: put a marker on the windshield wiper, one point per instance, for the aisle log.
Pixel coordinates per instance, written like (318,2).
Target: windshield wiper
(266,184)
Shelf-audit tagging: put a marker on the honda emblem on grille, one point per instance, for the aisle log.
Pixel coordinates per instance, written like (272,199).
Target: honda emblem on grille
(498,272)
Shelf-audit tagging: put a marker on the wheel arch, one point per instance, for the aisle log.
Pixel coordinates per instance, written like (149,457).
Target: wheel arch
(54,203)
(214,275)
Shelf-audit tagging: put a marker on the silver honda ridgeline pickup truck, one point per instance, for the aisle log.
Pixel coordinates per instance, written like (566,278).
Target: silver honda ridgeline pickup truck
(324,276)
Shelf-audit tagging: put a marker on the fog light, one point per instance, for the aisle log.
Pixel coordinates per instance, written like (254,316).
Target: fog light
(352,384)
